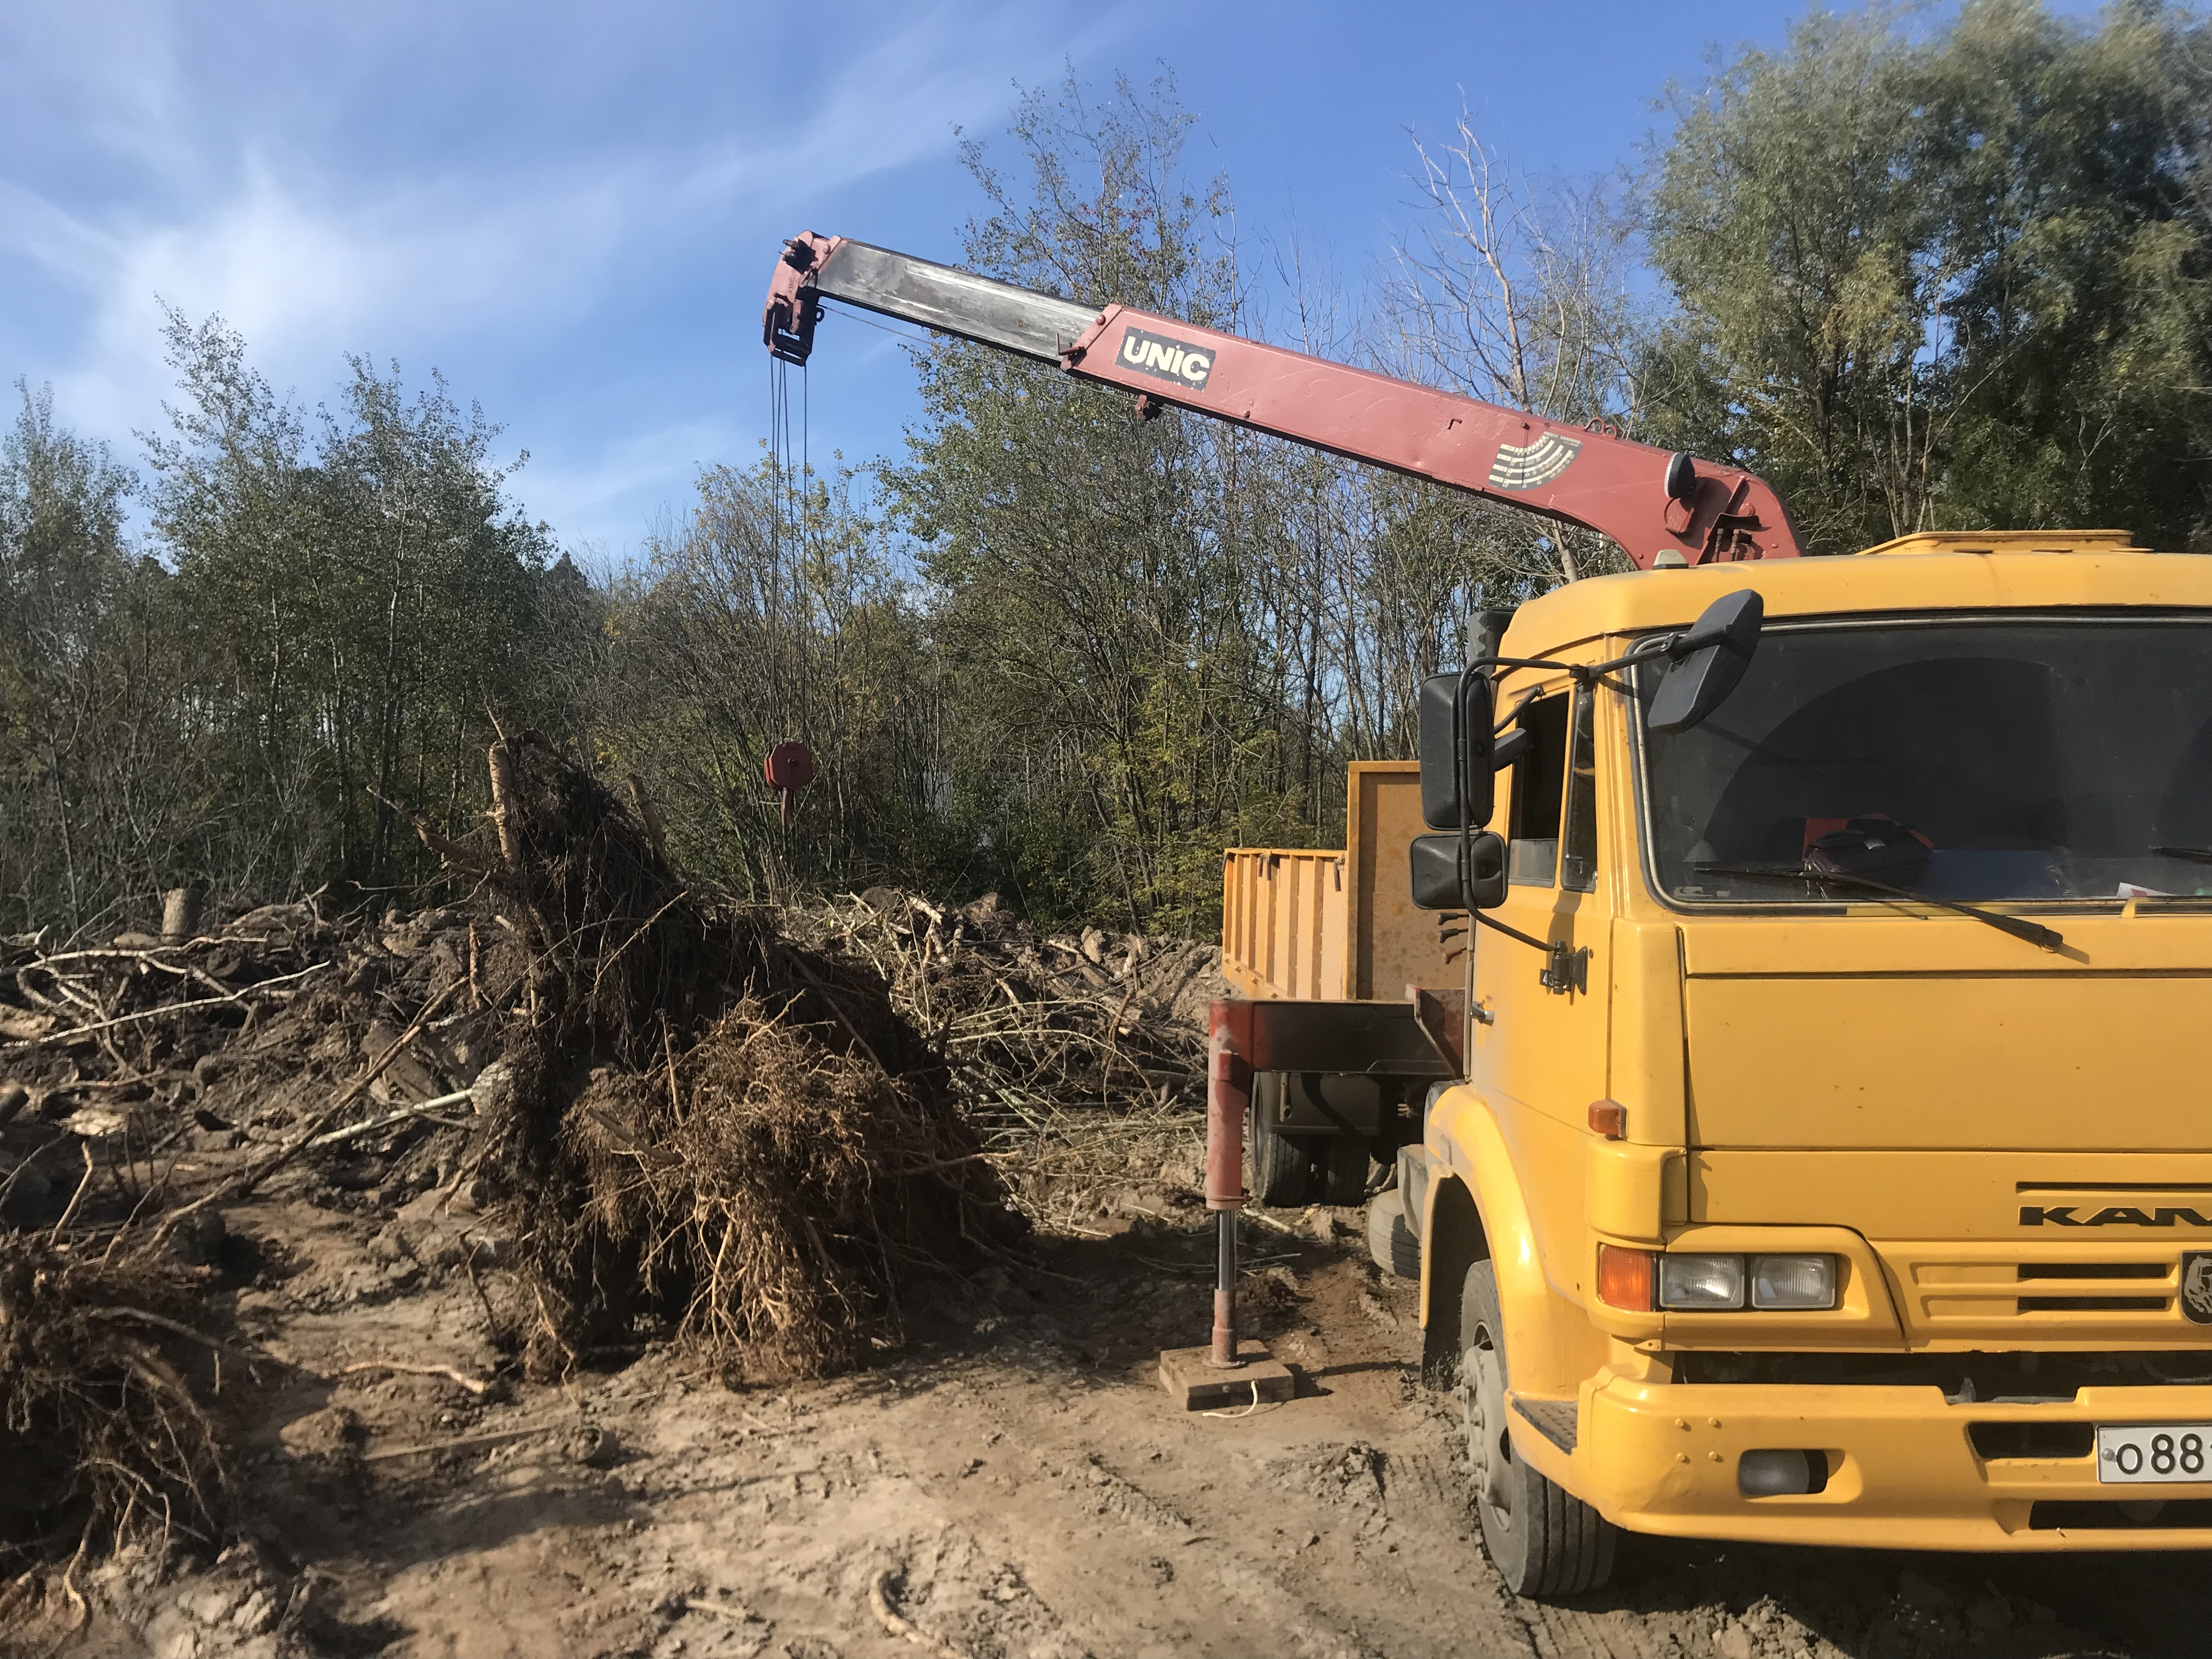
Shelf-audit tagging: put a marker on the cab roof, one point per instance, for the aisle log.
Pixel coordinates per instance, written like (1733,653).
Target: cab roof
(1945,570)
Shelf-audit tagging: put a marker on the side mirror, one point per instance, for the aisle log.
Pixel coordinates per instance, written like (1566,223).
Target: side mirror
(1706,663)
(1456,767)
(1438,883)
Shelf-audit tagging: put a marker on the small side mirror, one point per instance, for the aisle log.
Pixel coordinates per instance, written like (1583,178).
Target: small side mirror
(1436,874)
(1707,661)
(1456,749)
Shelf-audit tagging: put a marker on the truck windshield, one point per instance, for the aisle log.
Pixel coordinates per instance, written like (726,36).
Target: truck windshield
(2031,759)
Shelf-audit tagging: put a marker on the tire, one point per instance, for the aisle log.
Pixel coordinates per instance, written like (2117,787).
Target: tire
(1282,1167)
(1344,1167)
(1390,1241)
(1544,1541)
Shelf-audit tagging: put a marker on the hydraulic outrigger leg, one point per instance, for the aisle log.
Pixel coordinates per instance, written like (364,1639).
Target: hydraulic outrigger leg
(1230,1371)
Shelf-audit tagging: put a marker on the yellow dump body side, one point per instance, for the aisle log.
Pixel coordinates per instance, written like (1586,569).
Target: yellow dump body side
(1334,923)
(1283,918)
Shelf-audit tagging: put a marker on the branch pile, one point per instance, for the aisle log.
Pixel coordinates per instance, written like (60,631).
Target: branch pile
(707,1126)
(213,1041)
(1080,1058)
(1034,1024)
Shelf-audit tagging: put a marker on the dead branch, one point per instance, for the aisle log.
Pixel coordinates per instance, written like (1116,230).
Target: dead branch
(887,1616)
(245,1183)
(477,1386)
(450,851)
(64,1034)
(500,1437)
(369,1126)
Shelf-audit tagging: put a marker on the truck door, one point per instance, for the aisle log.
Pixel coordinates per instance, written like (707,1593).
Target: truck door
(1539,1046)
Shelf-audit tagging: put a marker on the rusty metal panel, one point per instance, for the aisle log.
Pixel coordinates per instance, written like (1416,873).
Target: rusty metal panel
(1333,1035)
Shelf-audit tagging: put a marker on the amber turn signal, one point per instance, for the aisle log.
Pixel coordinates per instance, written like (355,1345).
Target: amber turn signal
(1610,1118)
(1624,1277)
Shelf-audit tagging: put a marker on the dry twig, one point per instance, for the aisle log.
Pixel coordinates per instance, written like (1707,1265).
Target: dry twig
(888,1616)
(477,1386)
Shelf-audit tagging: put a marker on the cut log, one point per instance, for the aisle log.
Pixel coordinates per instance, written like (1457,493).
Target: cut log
(180,914)
(502,805)
(648,815)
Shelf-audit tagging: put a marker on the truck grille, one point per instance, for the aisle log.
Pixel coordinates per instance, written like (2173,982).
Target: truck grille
(2044,1301)
(1947,1295)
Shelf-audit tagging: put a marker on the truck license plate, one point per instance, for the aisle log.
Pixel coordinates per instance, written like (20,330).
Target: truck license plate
(2157,1451)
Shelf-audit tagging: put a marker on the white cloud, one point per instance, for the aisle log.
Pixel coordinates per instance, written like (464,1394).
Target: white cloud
(164,170)
(612,485)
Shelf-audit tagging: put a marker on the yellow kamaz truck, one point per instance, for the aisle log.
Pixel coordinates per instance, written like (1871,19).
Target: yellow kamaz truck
(1773,1008)
(1830,1161)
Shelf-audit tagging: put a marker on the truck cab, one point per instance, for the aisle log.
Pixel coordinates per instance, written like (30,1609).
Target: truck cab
(1826,1208)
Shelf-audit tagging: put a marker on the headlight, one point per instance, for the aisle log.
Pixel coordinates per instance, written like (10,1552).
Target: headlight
(1713,1284)
(1793,1281)
(1701,1281)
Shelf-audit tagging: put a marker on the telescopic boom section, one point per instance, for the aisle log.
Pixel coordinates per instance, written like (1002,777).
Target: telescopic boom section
(1662,508)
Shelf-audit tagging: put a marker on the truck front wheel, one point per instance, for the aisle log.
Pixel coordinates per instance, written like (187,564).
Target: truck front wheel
(1544,1541)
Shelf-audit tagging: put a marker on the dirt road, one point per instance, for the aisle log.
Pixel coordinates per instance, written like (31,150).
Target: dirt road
(1016,1471)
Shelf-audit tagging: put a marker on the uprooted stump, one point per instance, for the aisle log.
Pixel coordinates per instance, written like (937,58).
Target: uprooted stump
(101,1429)
(708,1129)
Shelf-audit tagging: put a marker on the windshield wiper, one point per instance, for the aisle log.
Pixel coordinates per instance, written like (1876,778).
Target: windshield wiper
(2048,939)
(2196,854)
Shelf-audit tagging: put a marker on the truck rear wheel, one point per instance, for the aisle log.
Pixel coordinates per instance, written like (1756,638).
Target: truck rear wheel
(1544,1541)
(1344,1167)
(1282,1165)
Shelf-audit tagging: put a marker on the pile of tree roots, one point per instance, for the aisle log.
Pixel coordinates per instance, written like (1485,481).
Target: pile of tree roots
(102,1430)
(705,1126)
(754,1131)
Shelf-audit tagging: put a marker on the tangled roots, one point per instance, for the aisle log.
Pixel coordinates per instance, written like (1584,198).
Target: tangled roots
(100,1429)
(709,1129)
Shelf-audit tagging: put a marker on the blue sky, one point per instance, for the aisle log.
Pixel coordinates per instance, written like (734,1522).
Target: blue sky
(572,209)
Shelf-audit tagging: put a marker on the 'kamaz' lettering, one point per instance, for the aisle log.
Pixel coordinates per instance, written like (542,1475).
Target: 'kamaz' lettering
(2061,1215)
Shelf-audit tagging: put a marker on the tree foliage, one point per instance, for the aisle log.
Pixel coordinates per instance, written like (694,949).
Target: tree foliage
(1949,278)
(764,617)
(1159,635)
(1958,281)
(361,600)
(99,779)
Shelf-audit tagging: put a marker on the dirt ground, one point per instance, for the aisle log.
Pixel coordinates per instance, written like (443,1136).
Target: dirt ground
(1005,1480)
(1015,1470)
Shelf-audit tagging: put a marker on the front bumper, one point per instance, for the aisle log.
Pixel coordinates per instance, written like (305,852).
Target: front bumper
(1903,1471)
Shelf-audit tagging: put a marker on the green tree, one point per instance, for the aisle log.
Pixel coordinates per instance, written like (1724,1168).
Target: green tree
(1953,283)
(1090,572)
(363,603)
(768,615)
(99,785)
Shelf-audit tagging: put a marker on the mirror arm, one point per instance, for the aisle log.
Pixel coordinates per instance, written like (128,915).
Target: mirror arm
(1466,826)
(1512,933)
(1518,662)
(1664,645)
(1585,673)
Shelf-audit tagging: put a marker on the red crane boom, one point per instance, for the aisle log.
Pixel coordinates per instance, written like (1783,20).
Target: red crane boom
(1662,508)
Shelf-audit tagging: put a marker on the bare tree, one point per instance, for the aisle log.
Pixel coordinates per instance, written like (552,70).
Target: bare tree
(1514,293)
